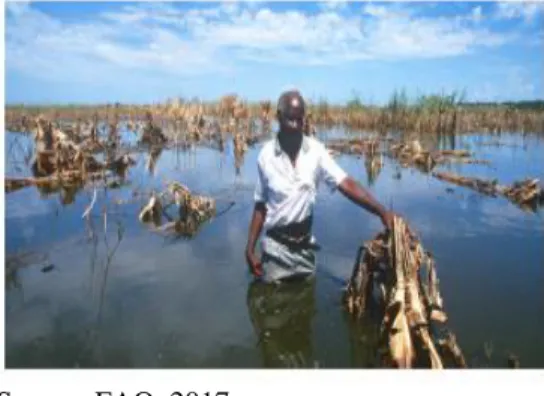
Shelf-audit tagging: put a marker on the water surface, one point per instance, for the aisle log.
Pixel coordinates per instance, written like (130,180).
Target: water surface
(162,302)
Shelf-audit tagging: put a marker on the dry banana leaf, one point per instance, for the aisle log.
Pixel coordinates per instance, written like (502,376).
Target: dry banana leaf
(412,331)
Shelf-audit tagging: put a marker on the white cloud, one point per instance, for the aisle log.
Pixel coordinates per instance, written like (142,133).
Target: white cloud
(163,39)
(399,34)
(41,45)
(526,10)
(328,37)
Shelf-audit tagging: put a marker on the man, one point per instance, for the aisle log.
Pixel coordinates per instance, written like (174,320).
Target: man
(289,169)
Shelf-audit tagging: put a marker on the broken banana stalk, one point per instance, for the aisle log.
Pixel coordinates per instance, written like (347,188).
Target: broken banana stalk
(411,153)
(369,146)
(192,210)
(527,193)
(412,330)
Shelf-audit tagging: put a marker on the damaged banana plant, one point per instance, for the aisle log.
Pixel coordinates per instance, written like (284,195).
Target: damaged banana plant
(368,146)
(63,160)
(413,154)
(396,276)
(192,210)
(527,194)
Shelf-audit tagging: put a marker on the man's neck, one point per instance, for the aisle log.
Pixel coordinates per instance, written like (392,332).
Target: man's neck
(291,153)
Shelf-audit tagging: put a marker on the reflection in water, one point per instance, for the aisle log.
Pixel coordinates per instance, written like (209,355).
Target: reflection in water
(239,146)
(68,193)
(373,166)
(363,336)
(101,273)
(154,155)
(238,161)
(13,264)
(110,252)
(282,316)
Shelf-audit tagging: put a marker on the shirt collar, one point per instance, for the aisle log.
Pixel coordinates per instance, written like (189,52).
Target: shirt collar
(305,145)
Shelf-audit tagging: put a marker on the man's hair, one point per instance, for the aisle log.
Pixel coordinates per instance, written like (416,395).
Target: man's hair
(291,106)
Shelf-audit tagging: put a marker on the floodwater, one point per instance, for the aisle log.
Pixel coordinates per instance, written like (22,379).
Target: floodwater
(113,294)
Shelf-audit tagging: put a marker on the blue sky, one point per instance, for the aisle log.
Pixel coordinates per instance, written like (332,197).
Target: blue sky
(143,52)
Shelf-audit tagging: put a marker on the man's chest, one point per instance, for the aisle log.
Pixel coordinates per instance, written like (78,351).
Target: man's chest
(283,179)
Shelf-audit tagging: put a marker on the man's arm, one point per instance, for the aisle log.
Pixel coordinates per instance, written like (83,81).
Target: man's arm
(335,177)
(257,221)
(255,228)
(359,195)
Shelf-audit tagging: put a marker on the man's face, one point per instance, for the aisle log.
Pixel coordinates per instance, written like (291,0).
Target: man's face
(291,120)
(291,126)
(290,136)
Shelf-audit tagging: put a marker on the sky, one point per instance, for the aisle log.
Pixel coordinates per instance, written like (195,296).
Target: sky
(97,52)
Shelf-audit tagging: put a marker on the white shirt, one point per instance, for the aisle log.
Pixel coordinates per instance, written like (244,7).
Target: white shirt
(289,192)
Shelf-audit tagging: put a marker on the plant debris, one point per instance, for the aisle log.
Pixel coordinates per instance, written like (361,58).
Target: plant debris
(192,210)
(413,154)
(527,194)
(152,134)
(399,276)
(64,158)
(486,187)
(369,146)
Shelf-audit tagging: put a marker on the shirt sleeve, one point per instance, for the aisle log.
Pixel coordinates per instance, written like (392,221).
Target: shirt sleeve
(330,171)
(260,194)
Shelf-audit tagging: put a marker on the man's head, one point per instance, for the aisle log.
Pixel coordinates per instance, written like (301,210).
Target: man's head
(290,113)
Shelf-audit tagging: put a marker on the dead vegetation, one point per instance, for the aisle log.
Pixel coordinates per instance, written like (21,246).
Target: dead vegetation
(442,114)
(433,115)
(412,154)
(392,272)
(368,146)
(69,154)
(191,211)
(66,151)
(152,134)
(394,275)
(373,166)
(65,158)
(527,194)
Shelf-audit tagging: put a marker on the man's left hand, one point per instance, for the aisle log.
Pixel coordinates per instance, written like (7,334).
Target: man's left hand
(388,219)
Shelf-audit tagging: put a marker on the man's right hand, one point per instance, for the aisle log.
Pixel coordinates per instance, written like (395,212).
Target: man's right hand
(257,220)
(254,264)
